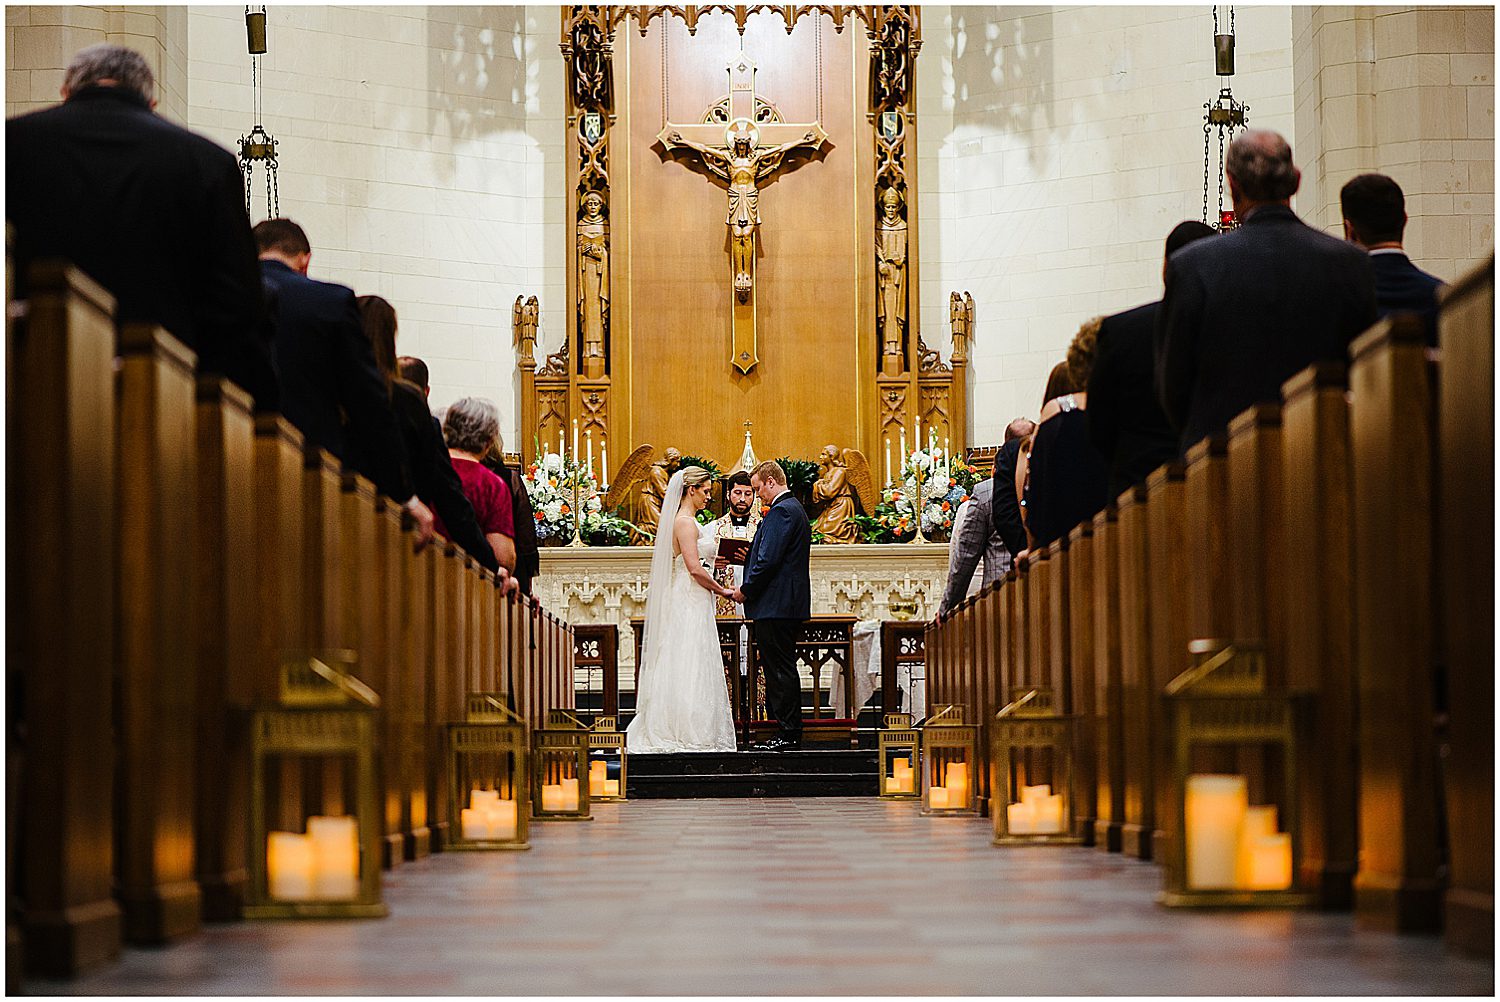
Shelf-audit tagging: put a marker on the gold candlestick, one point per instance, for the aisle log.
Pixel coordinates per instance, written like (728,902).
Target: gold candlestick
(919,504)
(577,510)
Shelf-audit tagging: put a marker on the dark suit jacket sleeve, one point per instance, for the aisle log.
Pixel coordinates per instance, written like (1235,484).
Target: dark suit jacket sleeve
(447,496)
(1104,396)
(771,542)
(1004,507)
(1178,324)
(234,338)
(372,433)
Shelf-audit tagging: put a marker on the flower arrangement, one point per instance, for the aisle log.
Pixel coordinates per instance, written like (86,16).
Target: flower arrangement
(942,491)
(550,484)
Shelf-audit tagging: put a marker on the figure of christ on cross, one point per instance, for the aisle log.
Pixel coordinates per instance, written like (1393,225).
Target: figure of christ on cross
(734,153)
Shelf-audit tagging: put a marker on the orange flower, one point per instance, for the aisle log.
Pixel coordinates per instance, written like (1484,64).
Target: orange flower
(564,509)
(945,506)
(552,481)
(539,516)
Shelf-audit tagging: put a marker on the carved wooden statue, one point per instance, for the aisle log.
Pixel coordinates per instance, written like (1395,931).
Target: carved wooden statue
(843,489)
(593,284)
(655,489)
(525,346)
(890,269)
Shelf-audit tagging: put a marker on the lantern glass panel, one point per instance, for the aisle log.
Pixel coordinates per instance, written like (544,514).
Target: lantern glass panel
(949,756)
(560,757)
(606,761)
(900,758)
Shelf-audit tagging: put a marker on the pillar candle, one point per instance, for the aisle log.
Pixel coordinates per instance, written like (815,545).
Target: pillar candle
(904,454)
(1267,863)
(589,435)
(1215,809)
(1049,815)
(1020,819)
(916,433)
(956,779)
(888,459)
(575,437)
(603,463)
(474,823)
(482,799)
(1034,794)
(559,440)
(502,820)
(335,843)
(289,866)
(937,798)
(598,772)
(611,787)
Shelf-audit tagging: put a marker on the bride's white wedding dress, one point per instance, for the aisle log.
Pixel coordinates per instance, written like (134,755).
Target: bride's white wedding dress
(682,704)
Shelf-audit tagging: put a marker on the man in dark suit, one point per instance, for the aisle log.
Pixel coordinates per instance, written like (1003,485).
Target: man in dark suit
(327,366)
(149,210)
(1125,416)
(1005,507)
(777,595)
(1245,312)
(1374,210)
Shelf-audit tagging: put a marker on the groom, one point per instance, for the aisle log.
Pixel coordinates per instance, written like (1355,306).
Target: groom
(777,595)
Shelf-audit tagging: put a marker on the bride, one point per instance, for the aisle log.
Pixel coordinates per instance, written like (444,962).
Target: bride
(682,703)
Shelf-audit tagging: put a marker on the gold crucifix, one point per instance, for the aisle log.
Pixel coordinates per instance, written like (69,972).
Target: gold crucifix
(735,147)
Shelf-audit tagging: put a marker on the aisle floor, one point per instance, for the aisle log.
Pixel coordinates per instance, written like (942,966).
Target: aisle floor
(786,897)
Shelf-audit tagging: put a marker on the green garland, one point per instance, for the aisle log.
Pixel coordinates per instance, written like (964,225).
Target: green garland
(801,474)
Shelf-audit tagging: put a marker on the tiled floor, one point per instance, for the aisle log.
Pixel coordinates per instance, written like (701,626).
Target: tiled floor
(787,896)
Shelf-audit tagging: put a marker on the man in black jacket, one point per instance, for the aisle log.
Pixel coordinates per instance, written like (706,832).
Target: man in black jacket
(327,365)
(1245,312)
(1005,507)
(1126,421)
(149,210)
(1374,210)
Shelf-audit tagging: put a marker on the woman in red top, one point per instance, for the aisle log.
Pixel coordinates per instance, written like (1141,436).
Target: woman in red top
(470,427)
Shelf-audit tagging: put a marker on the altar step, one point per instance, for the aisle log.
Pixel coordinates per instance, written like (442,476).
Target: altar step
(808,773)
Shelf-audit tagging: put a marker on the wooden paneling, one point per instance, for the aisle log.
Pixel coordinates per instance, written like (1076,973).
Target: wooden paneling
(62,641)
(813,242)
(155,669)
(1466,531)
(1319,616)
(1391,432)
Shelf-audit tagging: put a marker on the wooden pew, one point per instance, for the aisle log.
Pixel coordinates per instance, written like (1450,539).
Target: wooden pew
(417,667)
(226,656)
(1466,534)
(61,637)
(389,561)
(989,696)
(445,691)
(1082,694)
(1391,433)
(279,577)
(1316,580)
(1254,521)
(1110,772)
(155,671)
(1167,531)
(1007,666)
(327,563)
(1209,573)
(1137,695)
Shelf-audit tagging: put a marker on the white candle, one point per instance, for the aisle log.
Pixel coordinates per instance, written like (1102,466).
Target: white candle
(502,820)
(575,437)
(1049,815)
(483,799)
(559,441)
(1035,794)
(475,824)
(603,464)
(551,797)
(956,779)
(611,787)
(589,435)
(289,866)
(335,843)
(904,454)
(916,437)
(598,774)
(888,459)
(569,798)
(1267,863)
(1020,819)
(1215,809)
(937,798)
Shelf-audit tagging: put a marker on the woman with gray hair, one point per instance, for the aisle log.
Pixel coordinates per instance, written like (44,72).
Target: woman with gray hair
(471,427)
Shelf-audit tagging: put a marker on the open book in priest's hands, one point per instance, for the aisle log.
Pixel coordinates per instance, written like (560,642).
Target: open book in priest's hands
(734,551)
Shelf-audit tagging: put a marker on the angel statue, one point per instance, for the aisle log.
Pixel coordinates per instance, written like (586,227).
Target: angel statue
(843,488)
(743,164)
(652,478)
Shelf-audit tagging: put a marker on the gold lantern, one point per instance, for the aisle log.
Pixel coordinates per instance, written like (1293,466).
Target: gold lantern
(900,758)
(950,751)
(1031,795)
(488,782)
(606,760)
(1228,852)
(560,756)
(313,759)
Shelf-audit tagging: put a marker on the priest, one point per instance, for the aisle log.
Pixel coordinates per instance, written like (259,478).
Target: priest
(738,524)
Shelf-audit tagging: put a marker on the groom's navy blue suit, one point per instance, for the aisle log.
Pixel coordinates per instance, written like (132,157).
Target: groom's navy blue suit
(778,597)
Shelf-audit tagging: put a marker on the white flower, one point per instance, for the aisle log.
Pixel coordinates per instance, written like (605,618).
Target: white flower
(553,463)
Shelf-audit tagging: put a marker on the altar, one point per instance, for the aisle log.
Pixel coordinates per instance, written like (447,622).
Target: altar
(607,584)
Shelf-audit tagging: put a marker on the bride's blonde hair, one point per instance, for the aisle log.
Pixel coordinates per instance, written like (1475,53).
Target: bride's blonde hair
(692,476)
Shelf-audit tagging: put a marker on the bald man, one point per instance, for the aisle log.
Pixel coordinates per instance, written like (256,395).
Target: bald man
(1246,311)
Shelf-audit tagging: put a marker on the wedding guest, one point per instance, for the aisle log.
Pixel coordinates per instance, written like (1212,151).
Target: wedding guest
(471,428)
(1068,479)
(1125,416)
(151,211)
(331,388)
(414,371)
(974,539)
(1005,504)
(432,472)
(1248,310)
(1374,210)
(528,556)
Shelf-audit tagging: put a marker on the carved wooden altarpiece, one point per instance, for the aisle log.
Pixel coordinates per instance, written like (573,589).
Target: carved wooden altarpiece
(813,331)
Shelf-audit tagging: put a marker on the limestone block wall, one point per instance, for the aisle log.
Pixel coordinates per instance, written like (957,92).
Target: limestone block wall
(1057,148)
(1409,92)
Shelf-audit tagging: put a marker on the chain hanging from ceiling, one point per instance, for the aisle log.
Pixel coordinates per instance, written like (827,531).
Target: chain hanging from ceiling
(1222,116)
(259,145)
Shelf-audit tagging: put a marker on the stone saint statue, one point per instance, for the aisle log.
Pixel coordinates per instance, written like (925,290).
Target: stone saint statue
(890,270)
(835,492)
(593,283)
(655,489)
(743,165)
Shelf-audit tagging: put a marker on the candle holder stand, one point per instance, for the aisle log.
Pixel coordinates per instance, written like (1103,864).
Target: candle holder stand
(1031,757)
(606,749)
(900,756)
(950,755)
(1224,853)
(313,756)
(577,477)
(489,797)
(919,504)
(560,769)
